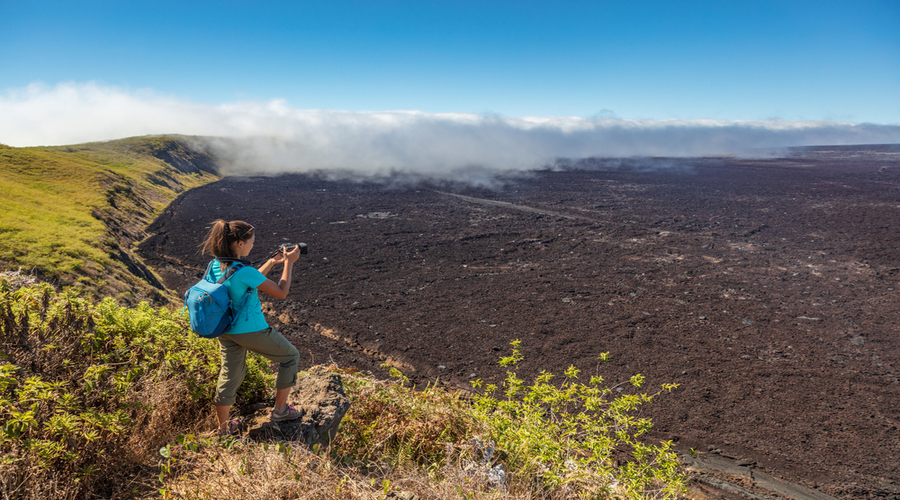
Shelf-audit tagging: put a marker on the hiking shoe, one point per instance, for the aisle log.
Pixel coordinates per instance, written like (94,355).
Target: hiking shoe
(289,413)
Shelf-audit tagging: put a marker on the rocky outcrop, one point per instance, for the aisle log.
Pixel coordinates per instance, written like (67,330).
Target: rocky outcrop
(320,394)
(186,156)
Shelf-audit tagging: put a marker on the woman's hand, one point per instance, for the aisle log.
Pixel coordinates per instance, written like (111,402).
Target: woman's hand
(293,255)
(280,289)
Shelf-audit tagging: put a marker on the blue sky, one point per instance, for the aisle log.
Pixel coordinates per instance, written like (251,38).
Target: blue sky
(794,60)
(76,71)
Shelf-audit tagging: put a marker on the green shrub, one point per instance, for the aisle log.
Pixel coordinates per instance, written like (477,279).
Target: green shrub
(577,437)
(89,391)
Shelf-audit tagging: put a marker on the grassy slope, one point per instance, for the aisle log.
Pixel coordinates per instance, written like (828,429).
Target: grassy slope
(72,213)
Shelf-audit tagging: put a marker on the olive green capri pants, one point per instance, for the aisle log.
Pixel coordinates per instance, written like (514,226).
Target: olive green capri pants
(270,344)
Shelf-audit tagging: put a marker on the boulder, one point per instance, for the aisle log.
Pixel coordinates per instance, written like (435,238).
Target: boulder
(320,394)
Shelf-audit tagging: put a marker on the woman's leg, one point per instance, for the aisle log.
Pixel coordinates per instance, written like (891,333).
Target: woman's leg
(231,374)
(273,346)
(281,396)
(222,414)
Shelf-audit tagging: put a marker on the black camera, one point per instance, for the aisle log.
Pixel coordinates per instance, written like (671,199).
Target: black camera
(286,247)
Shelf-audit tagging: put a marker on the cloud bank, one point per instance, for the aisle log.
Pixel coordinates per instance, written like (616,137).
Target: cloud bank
(274,137)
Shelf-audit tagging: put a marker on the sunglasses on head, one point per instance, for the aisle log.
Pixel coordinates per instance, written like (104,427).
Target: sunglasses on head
(240,237)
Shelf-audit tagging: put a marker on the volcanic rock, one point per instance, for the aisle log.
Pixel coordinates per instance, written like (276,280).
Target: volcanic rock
(320,394)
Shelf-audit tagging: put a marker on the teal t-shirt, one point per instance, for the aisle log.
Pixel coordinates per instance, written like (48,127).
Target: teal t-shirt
(246,279)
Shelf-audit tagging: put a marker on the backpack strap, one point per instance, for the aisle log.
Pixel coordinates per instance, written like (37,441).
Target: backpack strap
(234,259)
(205,277)
(236,265)
(208,269)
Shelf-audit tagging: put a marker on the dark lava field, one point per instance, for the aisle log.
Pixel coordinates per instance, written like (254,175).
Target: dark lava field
(769,289)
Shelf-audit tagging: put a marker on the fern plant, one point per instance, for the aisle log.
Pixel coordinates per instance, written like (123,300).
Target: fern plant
(81,382)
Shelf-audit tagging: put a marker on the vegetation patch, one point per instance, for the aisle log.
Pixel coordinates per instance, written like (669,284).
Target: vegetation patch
(90,391)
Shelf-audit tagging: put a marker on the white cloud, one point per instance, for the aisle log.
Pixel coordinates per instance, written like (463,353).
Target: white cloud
(274,137)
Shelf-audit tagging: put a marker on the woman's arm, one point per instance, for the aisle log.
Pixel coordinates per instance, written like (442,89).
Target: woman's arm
(278,290)
(278,258)
(265,268)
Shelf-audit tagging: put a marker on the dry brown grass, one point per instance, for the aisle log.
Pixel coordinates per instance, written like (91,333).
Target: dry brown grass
(256,471)
(173,413)
(394,439)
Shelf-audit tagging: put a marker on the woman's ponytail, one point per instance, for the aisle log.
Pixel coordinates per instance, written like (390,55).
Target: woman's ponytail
(222,234)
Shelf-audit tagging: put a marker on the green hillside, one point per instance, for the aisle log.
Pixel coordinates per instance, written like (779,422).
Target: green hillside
(71,214)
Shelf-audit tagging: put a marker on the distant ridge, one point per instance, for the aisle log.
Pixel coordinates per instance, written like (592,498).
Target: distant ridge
(880,148)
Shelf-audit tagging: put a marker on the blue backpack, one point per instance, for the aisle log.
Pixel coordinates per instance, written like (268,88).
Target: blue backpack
(209,306)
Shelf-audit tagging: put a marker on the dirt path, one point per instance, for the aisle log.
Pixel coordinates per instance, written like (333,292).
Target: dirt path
(504,204)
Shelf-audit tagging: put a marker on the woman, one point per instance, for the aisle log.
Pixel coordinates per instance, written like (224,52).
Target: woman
(229,241)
